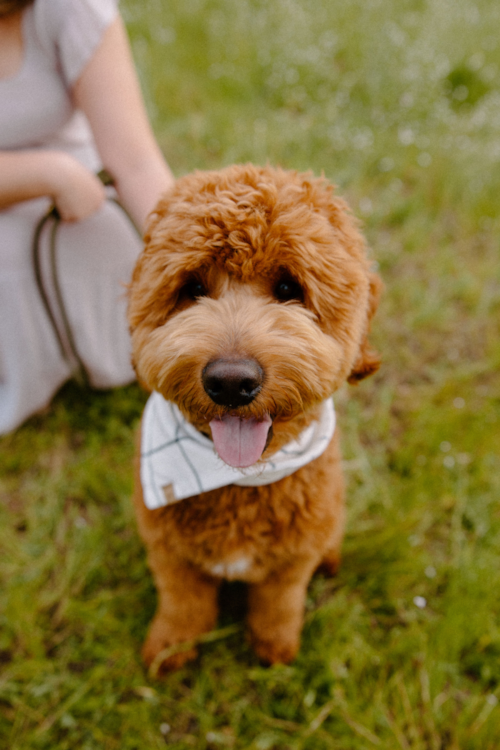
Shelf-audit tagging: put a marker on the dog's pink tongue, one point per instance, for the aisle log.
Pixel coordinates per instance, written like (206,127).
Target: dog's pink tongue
(240,442)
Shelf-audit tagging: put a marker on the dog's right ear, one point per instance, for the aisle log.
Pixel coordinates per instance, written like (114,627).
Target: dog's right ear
(368,361)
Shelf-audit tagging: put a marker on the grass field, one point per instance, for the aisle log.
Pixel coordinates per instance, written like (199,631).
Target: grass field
(398,102)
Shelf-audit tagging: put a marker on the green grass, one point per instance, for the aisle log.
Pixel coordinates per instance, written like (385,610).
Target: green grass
(398,102)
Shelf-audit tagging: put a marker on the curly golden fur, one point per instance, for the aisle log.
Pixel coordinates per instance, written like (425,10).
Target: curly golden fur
(267,266)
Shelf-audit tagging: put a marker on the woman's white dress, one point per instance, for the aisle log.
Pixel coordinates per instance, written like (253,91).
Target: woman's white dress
(95,257)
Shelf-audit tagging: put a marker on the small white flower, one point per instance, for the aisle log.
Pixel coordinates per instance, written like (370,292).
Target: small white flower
(445,446)
(396,185)
(461,93)
(365,206)
(406,99)
(449,462)
(406,136)
(492,699)
(386,164)
(424,159)
(459,402)
(420,602)
(430,571)
(476,61)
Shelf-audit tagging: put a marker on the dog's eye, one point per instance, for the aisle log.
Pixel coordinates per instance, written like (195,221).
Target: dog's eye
(288,289)
(194,289)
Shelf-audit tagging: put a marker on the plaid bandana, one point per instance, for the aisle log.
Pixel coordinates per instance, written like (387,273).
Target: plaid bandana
(178,458)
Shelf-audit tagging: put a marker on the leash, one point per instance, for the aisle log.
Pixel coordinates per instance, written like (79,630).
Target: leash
(65,338)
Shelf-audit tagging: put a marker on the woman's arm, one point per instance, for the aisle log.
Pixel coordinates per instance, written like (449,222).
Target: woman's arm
(24,175)
(108,92)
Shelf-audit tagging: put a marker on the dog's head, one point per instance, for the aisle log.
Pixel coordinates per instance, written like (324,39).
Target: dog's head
(251,304)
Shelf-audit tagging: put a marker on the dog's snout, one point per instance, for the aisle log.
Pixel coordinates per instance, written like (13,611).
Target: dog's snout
(232,382)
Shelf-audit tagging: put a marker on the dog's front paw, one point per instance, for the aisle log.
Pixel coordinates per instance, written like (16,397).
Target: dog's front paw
(274,651)
(160,643)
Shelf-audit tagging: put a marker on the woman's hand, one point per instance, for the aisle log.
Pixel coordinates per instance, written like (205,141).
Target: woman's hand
(76,192)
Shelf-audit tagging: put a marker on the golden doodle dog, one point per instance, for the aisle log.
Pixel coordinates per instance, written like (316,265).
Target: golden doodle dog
(249,306)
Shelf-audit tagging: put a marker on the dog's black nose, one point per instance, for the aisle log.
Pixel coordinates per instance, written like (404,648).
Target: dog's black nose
(232,382)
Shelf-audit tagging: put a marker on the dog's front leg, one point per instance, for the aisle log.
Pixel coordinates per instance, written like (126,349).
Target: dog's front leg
(276,613)
(187,607)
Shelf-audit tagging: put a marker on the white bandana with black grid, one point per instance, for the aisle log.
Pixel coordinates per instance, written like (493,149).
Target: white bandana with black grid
(175,455)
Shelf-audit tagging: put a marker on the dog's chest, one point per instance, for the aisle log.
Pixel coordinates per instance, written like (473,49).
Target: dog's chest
(240,533)
(231,569)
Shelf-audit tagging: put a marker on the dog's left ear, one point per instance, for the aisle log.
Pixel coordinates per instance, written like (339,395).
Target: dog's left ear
(368,360)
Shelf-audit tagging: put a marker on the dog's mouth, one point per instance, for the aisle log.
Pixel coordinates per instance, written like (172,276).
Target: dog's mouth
(240,442)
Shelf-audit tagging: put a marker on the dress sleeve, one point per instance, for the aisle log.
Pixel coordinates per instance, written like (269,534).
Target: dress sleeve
(75,28)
